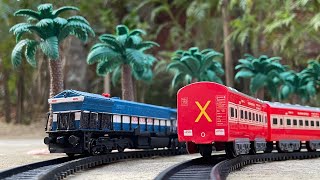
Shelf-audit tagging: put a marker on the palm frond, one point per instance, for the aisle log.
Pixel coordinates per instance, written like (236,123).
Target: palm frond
(102,53)
(28,13)
(58,11)
(60,21)
(145,45)
(138,32)
(112,42)
(16,55)
(50,47)
(45,23)
(177,79)
(122,30)
(78,18)
(45,9)
(30,52)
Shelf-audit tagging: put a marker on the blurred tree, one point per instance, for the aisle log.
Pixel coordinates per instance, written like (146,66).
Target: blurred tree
(264,72)
(194,65)
(227,45)
(50,30)
(298,85)
(123,51)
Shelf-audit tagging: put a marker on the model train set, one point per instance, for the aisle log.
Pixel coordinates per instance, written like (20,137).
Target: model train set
(85,123)
(219,118)
(223,118)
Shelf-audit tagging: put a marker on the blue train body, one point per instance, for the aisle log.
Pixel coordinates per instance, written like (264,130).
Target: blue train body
(91,123)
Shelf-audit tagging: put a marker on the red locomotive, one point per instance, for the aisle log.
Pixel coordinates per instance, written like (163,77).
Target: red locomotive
(213,115)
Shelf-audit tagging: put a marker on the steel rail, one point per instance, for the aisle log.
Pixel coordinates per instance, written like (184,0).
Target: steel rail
(62,167)
(198,168)
(222,169)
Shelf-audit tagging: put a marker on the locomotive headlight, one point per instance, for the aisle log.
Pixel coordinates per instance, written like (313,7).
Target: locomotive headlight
(47,140)
(61,139)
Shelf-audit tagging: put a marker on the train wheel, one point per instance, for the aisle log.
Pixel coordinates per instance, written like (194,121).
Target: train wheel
(298,149)
(191,148)
(230,151)
(205,150)
(278,147)
(252,148)
(70,155)
(269,147)
(309,147)
(120,149)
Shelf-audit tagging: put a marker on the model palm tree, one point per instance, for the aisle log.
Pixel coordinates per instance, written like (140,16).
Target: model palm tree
(123,52)
(264,72)
(49,30)
(297,85)
(194,65)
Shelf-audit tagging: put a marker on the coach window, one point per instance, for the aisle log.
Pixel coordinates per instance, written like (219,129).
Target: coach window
(257,117)
(265,119)
(300,122)
(260,118)
(232,112)
(249,115)
(306,122)
(274,121)
(281,121)
(295,123)
(241,114)
(253,116)
(317,123)
(312,123)
(246,115)
(236,113)
(289,122)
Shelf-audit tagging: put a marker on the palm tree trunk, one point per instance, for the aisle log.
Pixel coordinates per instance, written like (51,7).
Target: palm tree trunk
(7,104)
(126,83)
(228,63)
(106,84)
(260,94)
(56,82)
(20,96)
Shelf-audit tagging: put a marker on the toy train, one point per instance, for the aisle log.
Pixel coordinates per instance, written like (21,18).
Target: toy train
(85,123)
(213,115)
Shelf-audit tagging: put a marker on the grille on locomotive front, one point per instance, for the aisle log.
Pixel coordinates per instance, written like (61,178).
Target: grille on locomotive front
(66,121)
(91,120)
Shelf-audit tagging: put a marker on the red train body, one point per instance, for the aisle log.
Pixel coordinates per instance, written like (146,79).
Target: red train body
(212,115)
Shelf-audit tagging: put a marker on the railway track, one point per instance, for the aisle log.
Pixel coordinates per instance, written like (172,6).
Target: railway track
(198,168)
(62,167)
(218,167)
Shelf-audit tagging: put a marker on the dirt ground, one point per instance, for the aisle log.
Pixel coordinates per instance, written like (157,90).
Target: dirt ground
(22,144)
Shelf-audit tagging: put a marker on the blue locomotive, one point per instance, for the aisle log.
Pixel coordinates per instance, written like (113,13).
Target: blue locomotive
(85,123)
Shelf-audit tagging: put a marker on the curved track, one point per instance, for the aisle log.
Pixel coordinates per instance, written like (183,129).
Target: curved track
(222,170)
(62,167)
(218,167)
(198,168)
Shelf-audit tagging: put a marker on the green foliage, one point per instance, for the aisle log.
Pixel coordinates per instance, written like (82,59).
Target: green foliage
(125,47)
(264,72)
(194,65)
(50,29)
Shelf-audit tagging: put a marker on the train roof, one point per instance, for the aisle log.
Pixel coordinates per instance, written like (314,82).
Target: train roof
(291,106)
(99,103)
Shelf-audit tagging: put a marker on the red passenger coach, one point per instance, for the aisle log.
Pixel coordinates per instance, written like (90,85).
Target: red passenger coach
(292,124)
(210,114)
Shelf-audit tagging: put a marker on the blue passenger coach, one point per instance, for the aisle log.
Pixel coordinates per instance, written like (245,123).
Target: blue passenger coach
(91,123)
